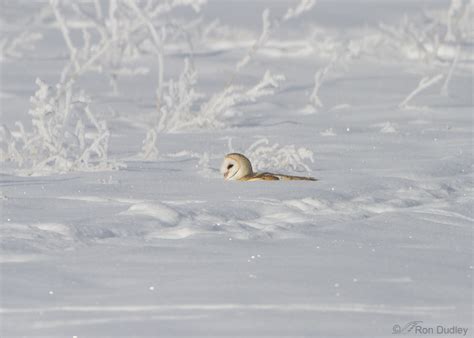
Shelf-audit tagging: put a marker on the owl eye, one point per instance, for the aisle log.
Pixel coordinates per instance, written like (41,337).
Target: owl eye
(230,166)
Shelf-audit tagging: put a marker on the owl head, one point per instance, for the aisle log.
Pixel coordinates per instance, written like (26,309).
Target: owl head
(236,166)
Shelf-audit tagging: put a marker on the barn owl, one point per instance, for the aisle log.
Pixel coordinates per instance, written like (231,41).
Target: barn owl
(237,167)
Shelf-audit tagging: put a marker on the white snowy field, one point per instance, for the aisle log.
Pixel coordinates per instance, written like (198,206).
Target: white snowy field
(158,244)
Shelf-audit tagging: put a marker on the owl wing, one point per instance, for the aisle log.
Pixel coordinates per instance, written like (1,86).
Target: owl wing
(276,177)
(262,177)
(294,178)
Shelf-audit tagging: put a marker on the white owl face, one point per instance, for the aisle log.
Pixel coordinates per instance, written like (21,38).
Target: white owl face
(235,166)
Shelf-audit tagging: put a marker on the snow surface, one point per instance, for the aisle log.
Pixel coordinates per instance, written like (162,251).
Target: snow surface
(167,248)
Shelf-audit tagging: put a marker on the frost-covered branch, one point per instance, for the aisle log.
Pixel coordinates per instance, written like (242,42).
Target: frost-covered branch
(315,103)
(157,40)
(303,6)
(20,39)
(424,84)
(339,60)
(14,46)
(268,26)
(264,35)
(149,149)
(444,89)
(456,11)
(66,33)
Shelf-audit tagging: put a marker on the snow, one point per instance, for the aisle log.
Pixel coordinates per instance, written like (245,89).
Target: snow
(161,245)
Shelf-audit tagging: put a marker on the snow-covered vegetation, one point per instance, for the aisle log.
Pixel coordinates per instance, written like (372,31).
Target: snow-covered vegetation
(116,115)
(65,135)
(266,156)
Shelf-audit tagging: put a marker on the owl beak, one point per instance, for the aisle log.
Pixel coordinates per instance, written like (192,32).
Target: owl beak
(226,174)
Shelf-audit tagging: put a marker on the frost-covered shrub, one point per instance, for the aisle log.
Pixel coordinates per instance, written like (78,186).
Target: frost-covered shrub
(180,109)
(222,105)
(179,101)
(177,113)
(265,156)
(108,45)
(65,135)
(115,36)
(433,36)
